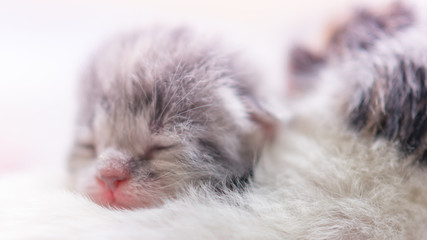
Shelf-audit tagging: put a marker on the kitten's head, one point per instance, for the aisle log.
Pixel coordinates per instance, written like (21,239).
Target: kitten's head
(343,41)
(161,110)
(376,65)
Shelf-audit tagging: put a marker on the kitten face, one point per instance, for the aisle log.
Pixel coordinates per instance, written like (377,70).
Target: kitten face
(161,110)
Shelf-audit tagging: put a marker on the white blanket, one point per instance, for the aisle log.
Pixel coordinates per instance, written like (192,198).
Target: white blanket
(320,181)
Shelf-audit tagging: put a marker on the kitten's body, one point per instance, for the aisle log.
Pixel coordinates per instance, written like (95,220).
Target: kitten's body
(163,109)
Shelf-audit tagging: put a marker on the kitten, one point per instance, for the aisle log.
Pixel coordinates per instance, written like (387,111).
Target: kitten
(361,33)
(162,109)
(380,55)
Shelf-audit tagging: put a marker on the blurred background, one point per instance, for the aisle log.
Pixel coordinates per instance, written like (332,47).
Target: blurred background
(44,44)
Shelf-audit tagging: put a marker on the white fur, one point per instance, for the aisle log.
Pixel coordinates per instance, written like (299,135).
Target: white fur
(319,181)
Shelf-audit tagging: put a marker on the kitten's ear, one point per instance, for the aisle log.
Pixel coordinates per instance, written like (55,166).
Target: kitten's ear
(267,122)
(303,67)
(304,61)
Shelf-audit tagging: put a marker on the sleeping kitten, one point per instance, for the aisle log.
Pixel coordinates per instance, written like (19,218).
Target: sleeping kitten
(160,110)
(378,59)
(360,34)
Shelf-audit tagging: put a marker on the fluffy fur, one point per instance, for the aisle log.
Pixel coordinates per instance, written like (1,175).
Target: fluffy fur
(344,187)
(323,178)
(162,109)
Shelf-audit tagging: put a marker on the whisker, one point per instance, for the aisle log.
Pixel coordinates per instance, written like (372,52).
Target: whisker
(207,105)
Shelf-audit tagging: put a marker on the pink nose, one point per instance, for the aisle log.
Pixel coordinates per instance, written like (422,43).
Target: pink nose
(112,175)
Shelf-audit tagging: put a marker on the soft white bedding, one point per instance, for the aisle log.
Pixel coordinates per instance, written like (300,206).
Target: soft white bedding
(319,182)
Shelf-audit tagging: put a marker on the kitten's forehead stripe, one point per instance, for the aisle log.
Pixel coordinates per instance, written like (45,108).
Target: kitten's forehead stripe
(167,87)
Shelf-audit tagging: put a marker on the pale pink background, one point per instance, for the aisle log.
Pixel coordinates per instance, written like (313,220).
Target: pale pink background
(44,44)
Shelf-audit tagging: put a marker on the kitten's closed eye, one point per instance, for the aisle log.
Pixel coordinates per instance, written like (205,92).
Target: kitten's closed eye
(85,150)
(85,143)
(87,146)
(154,149)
